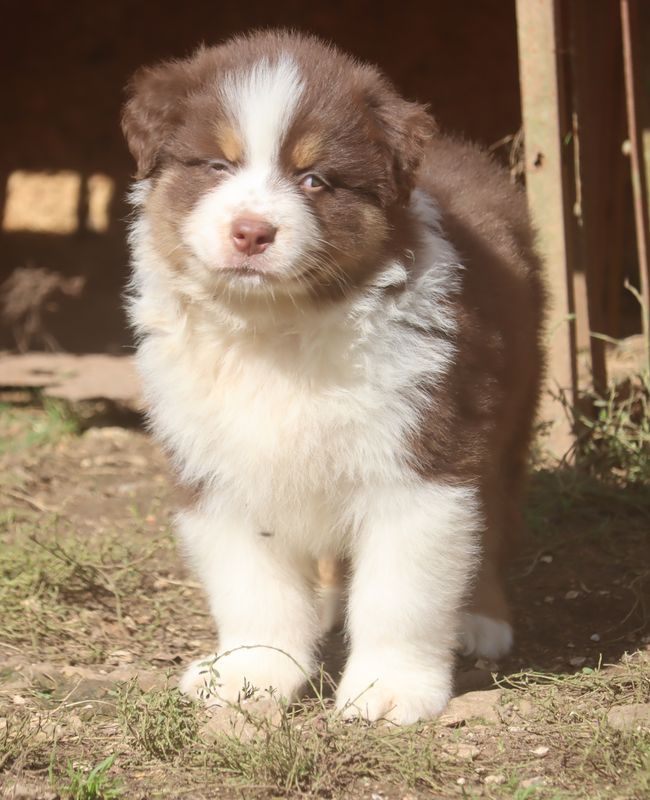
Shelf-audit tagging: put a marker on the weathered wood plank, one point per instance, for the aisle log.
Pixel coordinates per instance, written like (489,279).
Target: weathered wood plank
(548,163)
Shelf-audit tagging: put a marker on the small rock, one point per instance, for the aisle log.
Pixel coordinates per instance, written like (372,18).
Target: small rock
(529,783)
(473,705)
(461,781)
(595,637)
(549,599)
(577,661)
(463,751)
(495,780)
(121,657)
(540,752)
(485,664)
(245,726)
(525,708)
(633,717)
(546,559)
(571,595)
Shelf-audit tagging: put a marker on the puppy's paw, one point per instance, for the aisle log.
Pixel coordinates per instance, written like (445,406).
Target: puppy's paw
(242,673)
(369,691)
(485,637)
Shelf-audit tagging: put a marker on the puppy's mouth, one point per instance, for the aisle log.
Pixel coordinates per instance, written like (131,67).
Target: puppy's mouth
(246,271)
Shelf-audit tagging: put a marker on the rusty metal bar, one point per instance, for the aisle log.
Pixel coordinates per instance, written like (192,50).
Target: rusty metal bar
(629,25)
(548,165)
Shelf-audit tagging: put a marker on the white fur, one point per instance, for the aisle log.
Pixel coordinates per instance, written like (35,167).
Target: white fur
(261,596)
(411,560)
(297,421)
(253,191)
(485,637)
(262,101)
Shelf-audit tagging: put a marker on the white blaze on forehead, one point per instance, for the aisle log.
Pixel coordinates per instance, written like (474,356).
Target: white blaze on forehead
(262,101)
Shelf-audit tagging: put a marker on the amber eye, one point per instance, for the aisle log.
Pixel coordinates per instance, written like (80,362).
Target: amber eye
(312,183)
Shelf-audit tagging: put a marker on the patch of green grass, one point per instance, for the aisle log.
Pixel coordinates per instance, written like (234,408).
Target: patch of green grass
(613,431)
(161,723)
(93,785)
(47,579)
(568,497)
(22,428)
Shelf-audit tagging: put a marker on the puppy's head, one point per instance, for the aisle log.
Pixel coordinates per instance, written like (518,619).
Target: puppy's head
(275,164)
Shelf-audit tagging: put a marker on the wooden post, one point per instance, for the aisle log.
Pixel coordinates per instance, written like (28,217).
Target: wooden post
(629,25)
(597,131)
(541,75)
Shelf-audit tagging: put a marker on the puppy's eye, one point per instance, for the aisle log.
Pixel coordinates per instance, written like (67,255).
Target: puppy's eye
(219,166)
(312,183)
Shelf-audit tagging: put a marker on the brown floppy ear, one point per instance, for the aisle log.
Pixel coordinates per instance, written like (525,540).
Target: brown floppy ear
(155,106)
(404,130)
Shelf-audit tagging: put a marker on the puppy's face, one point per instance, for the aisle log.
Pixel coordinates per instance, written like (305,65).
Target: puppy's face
(276,164)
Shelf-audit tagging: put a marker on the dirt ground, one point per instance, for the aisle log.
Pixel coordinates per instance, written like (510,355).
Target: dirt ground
(98,613)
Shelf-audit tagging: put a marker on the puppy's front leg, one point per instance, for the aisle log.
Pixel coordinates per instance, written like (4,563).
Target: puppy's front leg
(413,559)
(263,604)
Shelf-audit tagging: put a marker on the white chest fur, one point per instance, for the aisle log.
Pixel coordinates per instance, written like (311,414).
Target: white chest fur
(290,418)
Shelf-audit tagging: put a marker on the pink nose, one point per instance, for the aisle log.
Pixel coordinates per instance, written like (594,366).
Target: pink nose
(252,236)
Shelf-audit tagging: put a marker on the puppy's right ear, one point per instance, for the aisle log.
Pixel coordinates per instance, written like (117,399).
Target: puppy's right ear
(154,108)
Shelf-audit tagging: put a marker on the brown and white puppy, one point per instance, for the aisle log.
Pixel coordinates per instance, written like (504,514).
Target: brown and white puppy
(338,313)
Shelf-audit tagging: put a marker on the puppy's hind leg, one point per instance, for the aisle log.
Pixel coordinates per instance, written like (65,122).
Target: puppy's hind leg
(331,594)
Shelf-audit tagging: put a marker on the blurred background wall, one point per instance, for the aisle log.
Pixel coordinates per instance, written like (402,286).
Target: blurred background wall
(64,168)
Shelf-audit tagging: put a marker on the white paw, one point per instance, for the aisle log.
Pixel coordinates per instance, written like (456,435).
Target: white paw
(485,637)
(405,696)
(239,674)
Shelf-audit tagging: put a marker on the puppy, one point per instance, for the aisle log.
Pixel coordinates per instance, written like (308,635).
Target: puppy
(338,317)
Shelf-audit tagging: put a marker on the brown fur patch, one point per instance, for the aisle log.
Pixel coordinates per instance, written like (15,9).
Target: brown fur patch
(307,150)
(230,143)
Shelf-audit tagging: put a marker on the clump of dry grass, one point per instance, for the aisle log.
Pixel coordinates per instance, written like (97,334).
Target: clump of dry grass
(569,712)
(301,748)
(308,749)
(162,723)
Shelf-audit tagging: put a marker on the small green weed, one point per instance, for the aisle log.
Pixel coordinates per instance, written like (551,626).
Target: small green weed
(162,723)
(95,785)
(613,432)
(24,428)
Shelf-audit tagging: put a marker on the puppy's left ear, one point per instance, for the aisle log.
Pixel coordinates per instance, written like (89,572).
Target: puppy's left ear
(404,130)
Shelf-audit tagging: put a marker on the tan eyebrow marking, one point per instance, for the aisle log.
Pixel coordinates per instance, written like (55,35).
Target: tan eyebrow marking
(230,143)
(306,150)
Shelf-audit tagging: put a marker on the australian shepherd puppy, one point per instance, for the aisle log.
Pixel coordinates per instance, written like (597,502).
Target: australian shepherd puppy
(338,315)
